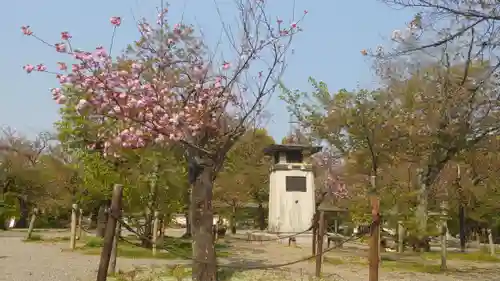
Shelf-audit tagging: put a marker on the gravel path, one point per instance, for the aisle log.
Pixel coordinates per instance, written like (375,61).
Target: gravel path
(21,261)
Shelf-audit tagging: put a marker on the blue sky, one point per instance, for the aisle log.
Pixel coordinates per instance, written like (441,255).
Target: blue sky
(329,48)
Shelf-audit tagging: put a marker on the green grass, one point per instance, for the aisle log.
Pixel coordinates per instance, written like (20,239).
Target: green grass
(476,256)
(39,238)
(131,252)
(179,249)
(411,266)
(415,262)
(334,260)
(389,262)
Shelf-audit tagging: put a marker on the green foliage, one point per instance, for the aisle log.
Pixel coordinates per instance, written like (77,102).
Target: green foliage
(94,242)
(407,133)
(7,210)
(245,174)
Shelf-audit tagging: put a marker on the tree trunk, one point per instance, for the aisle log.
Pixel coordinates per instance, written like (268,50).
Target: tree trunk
(478,238)
(233,219)
(204,263)
(188,226)
(102,219)
(24,213)
(461,221)
(187,201)
(93,218)
(153,194)
(3,222)
(262,217)
(422,206)
(148,230)
(32,223)
(444,235)
(401,237)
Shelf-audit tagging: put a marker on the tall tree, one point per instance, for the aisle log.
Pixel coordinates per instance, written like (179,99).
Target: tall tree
(176,93)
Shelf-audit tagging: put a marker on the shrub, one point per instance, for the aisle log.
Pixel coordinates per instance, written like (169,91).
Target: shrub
(94,242)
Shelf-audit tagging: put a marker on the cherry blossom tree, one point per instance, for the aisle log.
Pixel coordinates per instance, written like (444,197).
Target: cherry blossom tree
(330,185)
(169,89)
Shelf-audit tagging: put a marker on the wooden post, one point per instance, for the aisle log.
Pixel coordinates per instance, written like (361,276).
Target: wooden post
(32,223)
(315,233)
(114,250)
(401,237)
(444,232)
(79,230)
(374,252)
(319,250)
(155,231)
(109,236)
(72,238)
(491,242)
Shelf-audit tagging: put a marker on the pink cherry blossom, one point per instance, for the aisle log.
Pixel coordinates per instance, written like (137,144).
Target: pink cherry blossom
(26,30)
(41,67)
(62,66)
(293,25)
(65,36)
(61,100)
(116,21)
(60,47)
(28,68)
(149,99)
(331,174)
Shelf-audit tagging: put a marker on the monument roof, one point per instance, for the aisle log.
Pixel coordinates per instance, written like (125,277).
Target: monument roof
(270,150)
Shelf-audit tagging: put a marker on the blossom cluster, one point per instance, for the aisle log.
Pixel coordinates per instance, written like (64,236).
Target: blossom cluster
(332,183)
(157,95)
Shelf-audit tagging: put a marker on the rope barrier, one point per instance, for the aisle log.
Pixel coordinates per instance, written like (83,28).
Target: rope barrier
(271,266)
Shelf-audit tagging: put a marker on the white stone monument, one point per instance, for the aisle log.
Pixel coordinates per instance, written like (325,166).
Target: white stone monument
(291,189)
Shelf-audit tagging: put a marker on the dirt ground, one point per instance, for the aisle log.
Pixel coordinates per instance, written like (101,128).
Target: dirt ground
(350,264)
(20,261)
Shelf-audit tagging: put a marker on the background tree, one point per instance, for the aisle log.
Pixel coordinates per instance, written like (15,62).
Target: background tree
(442,23)
(23,180)
(245,175)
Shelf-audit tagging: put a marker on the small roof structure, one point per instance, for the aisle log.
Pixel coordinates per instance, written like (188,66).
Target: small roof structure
(307,149)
